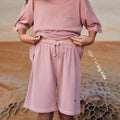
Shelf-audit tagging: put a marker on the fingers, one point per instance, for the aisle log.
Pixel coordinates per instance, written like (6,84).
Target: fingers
(34,38)
(81,36)
(76,38)
(77,42)
(34,41)
(34,35)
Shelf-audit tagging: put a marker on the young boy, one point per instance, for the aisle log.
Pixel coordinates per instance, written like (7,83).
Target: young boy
(56,48)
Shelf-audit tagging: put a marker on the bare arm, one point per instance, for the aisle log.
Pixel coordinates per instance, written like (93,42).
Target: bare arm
(21,31)
(92,35)
(84,40)
(88,19)
(24,22)
(87,40)
(28,38)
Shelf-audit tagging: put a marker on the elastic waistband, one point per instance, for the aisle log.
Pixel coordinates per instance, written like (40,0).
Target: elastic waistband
(57,42)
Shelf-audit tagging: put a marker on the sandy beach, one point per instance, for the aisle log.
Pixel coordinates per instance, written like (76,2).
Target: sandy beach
(100,96)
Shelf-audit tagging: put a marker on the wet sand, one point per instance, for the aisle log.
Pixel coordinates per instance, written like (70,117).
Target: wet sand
(100,96)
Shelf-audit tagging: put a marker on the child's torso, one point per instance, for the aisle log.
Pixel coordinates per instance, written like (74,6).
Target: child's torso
(57,19)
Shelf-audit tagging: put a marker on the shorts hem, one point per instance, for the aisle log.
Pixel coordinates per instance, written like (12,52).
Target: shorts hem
(68,112)
(40,110)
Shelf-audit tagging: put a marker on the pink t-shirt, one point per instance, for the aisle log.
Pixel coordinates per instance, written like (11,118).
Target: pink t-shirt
(57,19)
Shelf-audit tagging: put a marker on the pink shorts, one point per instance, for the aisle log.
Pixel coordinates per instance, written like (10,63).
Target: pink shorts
(55,64)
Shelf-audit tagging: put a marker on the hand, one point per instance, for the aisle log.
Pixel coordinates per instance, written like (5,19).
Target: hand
(82,40)
(30,38)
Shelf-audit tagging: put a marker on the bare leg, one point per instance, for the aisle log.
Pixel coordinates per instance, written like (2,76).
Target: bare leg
(65,117)
(45,116)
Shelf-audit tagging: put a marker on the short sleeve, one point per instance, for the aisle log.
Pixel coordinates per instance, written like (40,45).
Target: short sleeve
(88,17)
(26,17)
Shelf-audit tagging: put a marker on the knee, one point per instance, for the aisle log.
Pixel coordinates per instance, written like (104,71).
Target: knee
(65,117)
(45,116)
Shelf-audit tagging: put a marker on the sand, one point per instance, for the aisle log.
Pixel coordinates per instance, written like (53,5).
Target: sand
(100,96)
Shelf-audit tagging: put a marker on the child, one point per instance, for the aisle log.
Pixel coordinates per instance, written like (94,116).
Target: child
(56,48)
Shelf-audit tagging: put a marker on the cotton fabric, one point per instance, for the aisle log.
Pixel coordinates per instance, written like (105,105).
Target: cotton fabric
(54,19)
(56,64)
